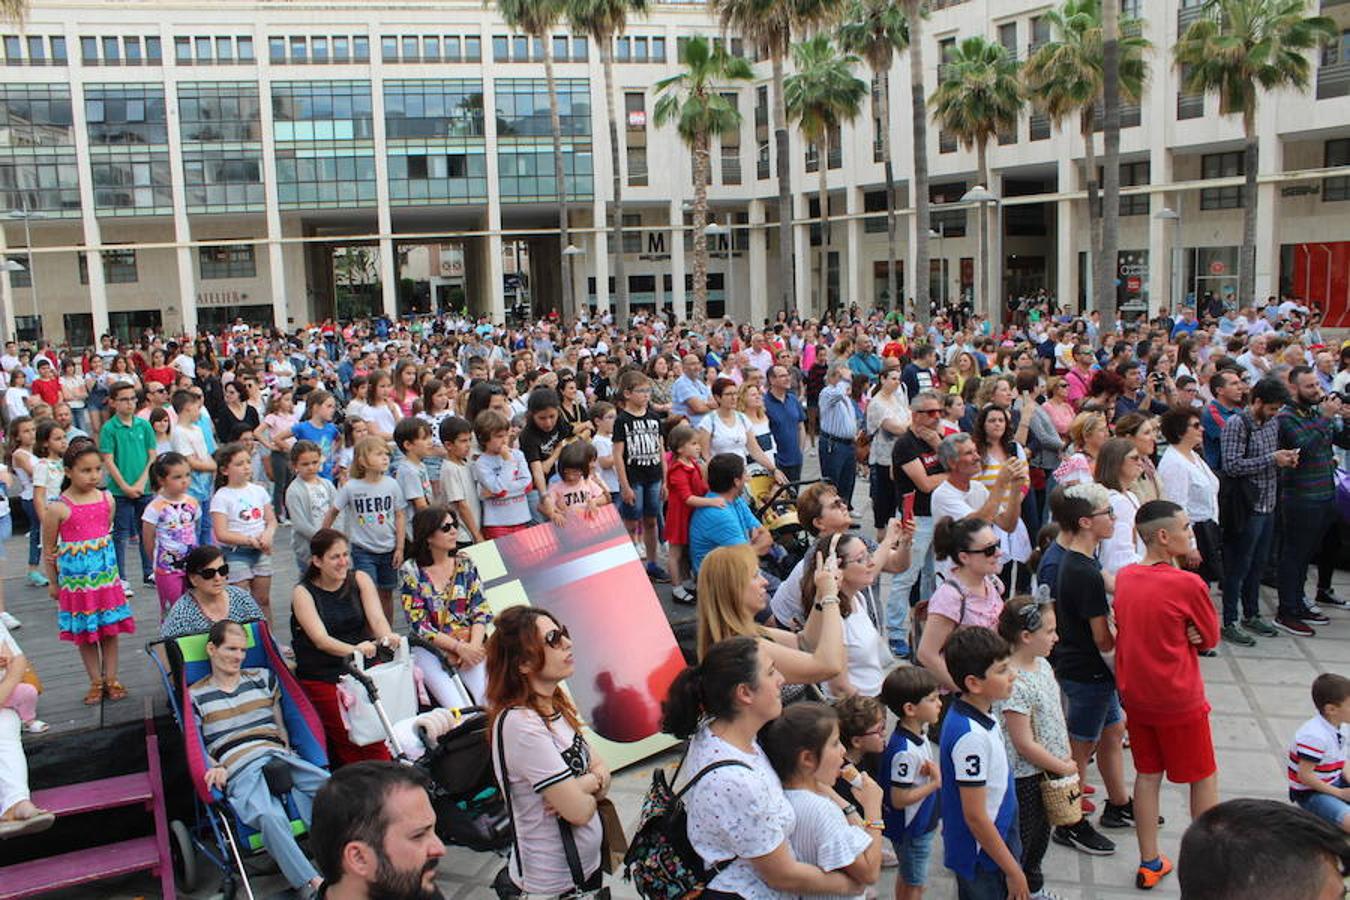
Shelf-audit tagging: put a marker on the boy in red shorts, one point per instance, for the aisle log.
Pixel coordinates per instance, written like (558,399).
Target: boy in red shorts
(1163,617)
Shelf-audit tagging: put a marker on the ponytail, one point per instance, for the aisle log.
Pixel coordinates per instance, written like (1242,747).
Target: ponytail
(954,536)
(708,689)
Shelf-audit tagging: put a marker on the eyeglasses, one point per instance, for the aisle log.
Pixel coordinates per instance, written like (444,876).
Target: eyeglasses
(1195,423)
(555,636)
(989,552)
(879,730)
(222,570)
(1108,512)
(449,527)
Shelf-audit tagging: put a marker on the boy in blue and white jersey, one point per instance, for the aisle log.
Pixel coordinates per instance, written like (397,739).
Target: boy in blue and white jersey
(980,840)
(909,805)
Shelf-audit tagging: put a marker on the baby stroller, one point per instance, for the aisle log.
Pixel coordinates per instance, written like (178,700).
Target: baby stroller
(776,506)
(217,834)
(470,811)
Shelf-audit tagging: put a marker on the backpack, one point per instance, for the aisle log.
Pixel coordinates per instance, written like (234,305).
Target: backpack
(661,863)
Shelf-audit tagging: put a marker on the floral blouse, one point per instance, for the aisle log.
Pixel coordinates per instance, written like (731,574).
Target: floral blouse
(453,610)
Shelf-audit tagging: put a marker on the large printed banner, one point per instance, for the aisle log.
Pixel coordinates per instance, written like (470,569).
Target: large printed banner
(588,575)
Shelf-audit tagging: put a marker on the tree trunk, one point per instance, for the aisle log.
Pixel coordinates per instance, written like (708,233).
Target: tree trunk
(569,304)
(1106,300)
(786,272)
(919,149)
(892,297)
(1247,262)
(700,222)
(983,305)
(1088,123)
(622,310)
(823,192)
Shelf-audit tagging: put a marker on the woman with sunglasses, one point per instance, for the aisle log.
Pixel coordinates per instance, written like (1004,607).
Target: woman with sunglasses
(971,595)
(335,612)
(1189,482)
(1118,468)
(209,597)
(552,778)
(442,597)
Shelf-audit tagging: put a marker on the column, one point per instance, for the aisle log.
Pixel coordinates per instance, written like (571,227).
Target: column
(855,280)
(496,288)
(276,263)
(759,263)
(93,239)
(678,301)
(1270,160)
(599,254)
(1066,229)
(908,287)
(801,239)
(7,290)
(182,228)
(1164,236)
(384,223)
(996,264)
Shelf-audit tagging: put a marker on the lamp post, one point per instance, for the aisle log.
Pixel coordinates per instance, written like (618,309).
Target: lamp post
(569,253)
(1168,214)
(713,230)
(941,235)
(983,196)
(26,214)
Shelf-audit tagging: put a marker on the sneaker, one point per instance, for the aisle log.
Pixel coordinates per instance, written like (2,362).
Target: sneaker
(37,579)
(10,622)
(1084,838)
(900,649)
(1146,878)
(1088,806)
(1293,626)
(1088,790)
(1258,625)
(682,594)
(1314,616)
(1330,599)
(149,580)
(1043,894)
(1313,608)
(37,726)
(656,573)
(1117,816)
(126,588)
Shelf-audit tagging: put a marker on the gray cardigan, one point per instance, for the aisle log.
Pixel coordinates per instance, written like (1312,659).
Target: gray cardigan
(1049,445)
(305,516)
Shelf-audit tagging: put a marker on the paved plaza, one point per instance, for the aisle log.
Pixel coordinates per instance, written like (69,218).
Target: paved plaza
(1259,695)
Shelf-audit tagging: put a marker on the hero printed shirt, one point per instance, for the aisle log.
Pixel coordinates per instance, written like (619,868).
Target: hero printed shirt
(370,508)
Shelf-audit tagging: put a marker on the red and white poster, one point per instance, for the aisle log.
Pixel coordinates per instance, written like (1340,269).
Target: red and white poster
(589,576)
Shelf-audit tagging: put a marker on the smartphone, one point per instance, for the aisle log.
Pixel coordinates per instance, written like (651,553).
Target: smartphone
(907,507)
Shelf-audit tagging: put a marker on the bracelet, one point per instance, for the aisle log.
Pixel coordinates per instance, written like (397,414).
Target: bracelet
(874,825)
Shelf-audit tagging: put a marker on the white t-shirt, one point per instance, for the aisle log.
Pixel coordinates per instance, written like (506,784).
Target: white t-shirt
(604,448)
(949,500)
(244,508)
(823,836)
(862,644)
(724,438)
(735,812)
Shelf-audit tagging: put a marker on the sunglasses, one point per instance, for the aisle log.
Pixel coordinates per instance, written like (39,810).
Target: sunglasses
(449,527)
(555,636)
(990,552)
(222,570)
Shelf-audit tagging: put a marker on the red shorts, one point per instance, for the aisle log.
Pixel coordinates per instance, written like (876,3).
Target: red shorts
(1184,750)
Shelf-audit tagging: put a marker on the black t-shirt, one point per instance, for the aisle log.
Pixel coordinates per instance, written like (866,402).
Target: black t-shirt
(537,444)
(641,439)
(908,448)
(1079,597)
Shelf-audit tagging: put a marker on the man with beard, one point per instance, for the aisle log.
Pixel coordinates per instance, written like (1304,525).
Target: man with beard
(374,834)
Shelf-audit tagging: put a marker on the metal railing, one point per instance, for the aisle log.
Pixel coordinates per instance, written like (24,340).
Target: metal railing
(1040,127)
(1333,80)
(1186,15)
(1190,106)
(731,168)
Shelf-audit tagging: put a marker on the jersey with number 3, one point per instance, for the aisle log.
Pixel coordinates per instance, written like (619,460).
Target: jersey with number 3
(901,761)
(973,755)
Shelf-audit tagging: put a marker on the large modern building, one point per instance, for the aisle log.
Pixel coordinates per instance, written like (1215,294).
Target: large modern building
(176,164)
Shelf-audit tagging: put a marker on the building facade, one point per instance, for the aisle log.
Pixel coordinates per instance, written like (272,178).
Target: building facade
(178,164)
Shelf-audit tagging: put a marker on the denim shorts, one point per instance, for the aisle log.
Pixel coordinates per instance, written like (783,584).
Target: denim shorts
(646,502)
(1324,806)
(247,563)
(6,527)
(379,566)
(914,850)
(1092,706)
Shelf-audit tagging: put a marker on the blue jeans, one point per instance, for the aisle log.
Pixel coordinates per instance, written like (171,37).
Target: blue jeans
(984,886)
(254,803)
(126,522)
(1303,525)
(1324,806)
(34,532)
(902,583)
(838,465)
(206,532)
(1244,558)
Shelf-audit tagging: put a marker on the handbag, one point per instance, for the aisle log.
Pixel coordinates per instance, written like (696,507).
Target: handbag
(30,676)
(1062,798)
(397,695)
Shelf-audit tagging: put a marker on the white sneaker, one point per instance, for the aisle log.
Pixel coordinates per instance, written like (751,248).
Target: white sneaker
(1043,894)
(126,588)
(10,622)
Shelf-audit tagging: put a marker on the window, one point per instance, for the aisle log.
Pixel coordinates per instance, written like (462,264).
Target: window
(299,50)
(1007,36)
(224,49)
(37,51)
(874,202)
(523,107)
(623,49)
(245,48)
(319,49)
(361,48)
(632,234)
(154,53)
(88,50)
(452,52)
(203,45)
(276,50)
(119,267)
(1221,165)
(500,51)
(659,49)
(231,261)
(431,49)
(473,48)
(389,48)
(59,51)
(408,52)
(216,111)
(111,51)
(1040,32)
(340,52)
(560,48)
(520,48)
(20,278)
(1337,154)
(130,181)
(126,115)
(132,49)
(1134,175)
(640,49)
(427,108)
(182,51)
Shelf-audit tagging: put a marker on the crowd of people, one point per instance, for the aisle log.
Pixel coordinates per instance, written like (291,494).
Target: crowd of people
(1064,515)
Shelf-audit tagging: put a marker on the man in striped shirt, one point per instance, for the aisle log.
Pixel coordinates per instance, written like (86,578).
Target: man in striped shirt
(240,714)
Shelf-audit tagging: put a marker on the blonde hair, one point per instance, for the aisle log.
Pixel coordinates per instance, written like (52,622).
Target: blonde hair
(1083,424)
(363,449)
(747,386)
(722,579)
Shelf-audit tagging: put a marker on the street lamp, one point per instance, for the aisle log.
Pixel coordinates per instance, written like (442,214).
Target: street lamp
(941,235)
(25,213)
(713,230)
(1168,214)
(983,196)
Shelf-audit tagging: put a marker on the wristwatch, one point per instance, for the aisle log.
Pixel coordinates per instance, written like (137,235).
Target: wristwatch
(826,601)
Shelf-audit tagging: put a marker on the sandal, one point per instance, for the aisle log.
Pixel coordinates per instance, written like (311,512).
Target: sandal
(37,726)
(114,690)
(95,695)
(39,821)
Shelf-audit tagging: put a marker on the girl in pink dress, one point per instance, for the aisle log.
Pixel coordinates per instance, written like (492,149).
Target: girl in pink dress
(85,581)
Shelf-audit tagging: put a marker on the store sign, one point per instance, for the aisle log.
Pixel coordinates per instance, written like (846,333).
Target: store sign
(221,298)
(1217,268)
(1134,284)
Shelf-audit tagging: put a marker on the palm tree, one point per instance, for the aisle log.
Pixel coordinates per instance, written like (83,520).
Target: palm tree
(693,102)
(769,25)
(822,94)
(918,108)
(1241,48)
(1104,290)
(876,30)
(979,94)
(1064,77)
(537,18)
(602,20)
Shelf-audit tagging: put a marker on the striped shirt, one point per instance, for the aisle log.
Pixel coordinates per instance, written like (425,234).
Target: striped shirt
(1323,745)
(837,416)
(240,725)
(1254,458)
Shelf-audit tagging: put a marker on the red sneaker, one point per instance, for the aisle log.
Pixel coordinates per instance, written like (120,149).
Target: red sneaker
(1088,806)
(1088,790)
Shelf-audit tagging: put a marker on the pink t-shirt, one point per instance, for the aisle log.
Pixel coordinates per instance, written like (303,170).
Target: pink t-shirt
(572,499)
(980,610)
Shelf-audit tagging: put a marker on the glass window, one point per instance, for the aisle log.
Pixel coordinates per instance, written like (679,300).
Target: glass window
(182,50)
(37,50)
(658,49)
(639,49)
(276,50)
(224,49)
(299,50)
(580,48)
(409,53)
(119,267)
(231,261)
(500,51)
(59,51)
(340,49)
(112,51)
(245,48)
(623,49)
(520,48)
(203,49)
(389,48)
(473,48)
(219,111)
(452,48)
(1337,154)
(153,51)
(318,47)
(131,46)
(431,49)
(560,48)
(14,49)
(88,49)
(361,48)
(20,278)
(536,50)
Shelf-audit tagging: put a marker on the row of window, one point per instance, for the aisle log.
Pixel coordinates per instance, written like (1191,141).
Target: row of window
(119,266)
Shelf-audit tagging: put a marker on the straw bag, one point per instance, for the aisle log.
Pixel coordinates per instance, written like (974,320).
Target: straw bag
(1062,799)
